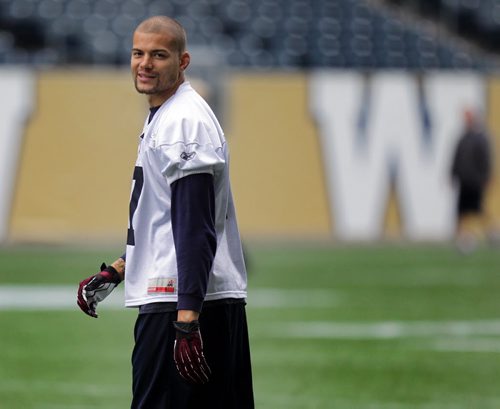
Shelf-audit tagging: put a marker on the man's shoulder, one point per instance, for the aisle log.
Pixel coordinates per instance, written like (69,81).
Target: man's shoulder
(186,106)
(188,111)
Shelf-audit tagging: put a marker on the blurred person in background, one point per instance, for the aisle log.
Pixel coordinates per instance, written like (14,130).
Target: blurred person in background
(183,268)
(471,172)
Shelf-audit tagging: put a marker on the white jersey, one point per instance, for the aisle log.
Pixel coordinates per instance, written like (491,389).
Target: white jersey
(183,138)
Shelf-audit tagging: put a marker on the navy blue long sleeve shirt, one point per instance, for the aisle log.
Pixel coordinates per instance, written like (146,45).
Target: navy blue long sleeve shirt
(195,239)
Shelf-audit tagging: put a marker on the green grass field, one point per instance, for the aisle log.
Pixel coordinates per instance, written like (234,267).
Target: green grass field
(364,327)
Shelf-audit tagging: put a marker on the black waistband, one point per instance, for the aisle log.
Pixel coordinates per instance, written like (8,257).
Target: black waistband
(159,307)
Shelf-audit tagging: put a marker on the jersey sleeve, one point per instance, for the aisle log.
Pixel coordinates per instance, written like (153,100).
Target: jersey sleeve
(190,146)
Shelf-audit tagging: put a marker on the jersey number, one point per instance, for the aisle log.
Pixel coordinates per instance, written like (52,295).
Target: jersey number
(136,193)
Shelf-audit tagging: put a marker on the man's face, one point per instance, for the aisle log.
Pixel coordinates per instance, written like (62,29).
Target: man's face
(157,68)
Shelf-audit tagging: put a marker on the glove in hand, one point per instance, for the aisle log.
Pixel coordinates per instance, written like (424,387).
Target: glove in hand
(188,353)
(96,288)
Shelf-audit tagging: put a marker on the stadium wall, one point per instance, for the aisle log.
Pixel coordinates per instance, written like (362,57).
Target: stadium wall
(326,154)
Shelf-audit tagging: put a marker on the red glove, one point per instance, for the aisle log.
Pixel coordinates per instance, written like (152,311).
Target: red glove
(188,353)
(96,288)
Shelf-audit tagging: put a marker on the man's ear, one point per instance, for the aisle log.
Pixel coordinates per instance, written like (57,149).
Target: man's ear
(184,60)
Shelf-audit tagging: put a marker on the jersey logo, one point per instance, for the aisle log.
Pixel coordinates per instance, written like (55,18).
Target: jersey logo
(161,285)
(188,156)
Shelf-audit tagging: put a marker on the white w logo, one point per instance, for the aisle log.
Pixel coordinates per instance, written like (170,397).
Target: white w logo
(391,127)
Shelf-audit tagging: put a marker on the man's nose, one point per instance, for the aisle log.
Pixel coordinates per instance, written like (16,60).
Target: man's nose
(146,62)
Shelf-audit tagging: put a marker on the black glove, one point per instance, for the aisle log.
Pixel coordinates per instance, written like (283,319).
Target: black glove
(188,353)
(96,288)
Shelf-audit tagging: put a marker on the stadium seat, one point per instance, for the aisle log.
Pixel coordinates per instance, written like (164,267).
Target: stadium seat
(257,33)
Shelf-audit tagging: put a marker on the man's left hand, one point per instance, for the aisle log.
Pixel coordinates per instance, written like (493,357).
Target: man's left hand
(188,353)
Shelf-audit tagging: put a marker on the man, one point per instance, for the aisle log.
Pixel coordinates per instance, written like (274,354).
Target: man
(471,170)
(183,268)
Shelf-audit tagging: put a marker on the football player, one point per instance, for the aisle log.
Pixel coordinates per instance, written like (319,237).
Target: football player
(183,268)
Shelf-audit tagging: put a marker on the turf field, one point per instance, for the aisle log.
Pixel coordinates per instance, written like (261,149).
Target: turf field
(365,327)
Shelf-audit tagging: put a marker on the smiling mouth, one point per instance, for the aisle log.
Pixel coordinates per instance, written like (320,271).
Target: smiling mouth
(145,77)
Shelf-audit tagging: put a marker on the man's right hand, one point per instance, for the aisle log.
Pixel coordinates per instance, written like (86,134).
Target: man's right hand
(96,288)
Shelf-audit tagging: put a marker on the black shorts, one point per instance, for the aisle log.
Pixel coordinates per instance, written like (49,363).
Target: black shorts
(156,383)
(470,200)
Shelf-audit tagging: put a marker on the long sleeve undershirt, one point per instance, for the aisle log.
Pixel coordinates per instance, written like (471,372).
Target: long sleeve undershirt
(195,240)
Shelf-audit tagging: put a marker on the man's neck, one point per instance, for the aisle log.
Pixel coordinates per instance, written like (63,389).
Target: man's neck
(158,99)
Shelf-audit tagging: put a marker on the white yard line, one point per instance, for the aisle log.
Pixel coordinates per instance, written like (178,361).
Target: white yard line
(68,388)
(95,390)
(45,297)
(29,297)
(488,345)
(298,401)
(378,330)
